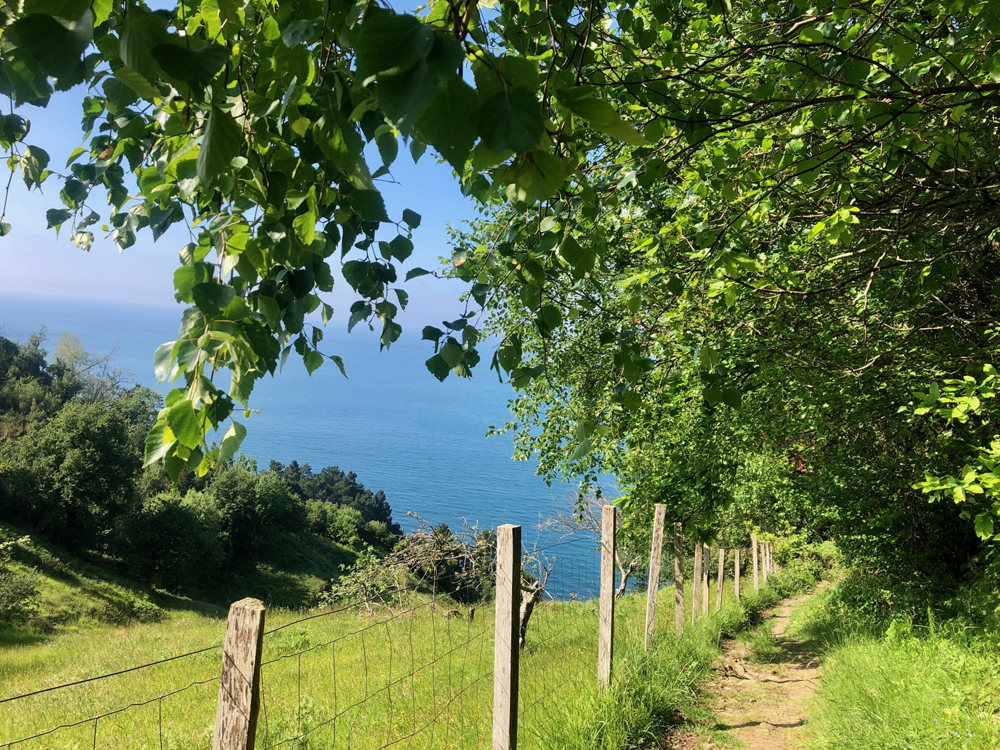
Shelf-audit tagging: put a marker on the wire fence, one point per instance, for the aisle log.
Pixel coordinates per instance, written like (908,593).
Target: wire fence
(407,668)
(559,649)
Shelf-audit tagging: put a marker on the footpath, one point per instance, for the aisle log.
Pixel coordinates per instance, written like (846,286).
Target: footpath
(759,706)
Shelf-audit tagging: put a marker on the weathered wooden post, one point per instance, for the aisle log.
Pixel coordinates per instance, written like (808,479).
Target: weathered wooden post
(706,560)
(239,685)
(655,556)
(606,636)
(764,560)
(696,584)
(718,583)
(753,545)
(736,573)
(506,654)
(678,579)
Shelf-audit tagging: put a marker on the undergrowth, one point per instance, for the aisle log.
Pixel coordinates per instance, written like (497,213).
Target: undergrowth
(904,684)
(658,690)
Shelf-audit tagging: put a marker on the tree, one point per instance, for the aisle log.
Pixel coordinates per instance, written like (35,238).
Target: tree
(712,231)
(73,476)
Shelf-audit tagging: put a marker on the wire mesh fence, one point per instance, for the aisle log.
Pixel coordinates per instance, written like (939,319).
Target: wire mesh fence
(395,667)
(558,641)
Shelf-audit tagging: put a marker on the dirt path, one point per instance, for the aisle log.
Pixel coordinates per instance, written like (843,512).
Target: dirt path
(759,706)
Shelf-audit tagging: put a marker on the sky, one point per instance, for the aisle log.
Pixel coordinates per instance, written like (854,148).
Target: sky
(34,260)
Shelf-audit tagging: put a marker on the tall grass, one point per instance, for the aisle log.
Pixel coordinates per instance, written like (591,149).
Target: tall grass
(900,687)
(366,680)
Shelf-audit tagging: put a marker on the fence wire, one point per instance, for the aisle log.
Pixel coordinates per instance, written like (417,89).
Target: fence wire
(413,669)
(558,660)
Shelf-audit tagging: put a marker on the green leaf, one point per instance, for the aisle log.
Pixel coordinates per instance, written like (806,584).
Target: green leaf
(370,205)
(511,120)
(580,258)
(54,49)
(211,296)
(534,177)
(231,441)
(183,423)
(55,217)
(438,366)
(602,116)
(414,273)
(405,97)
(401,247)
(194,67)
(305,227)
(163,360)
(219,146)
(313,359)
(34,161)
(68,9)
(270,310)
(447,124)
(157,446)
(451,353)
(811,35)
(389,43)
(984,526)
(411,218)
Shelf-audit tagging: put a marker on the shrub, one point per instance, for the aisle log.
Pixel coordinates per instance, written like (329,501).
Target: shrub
(345,526)
(18,592)
(75,475)
(167,543)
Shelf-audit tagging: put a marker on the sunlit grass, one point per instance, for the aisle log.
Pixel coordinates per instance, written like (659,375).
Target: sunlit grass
(909,688)
(419,676)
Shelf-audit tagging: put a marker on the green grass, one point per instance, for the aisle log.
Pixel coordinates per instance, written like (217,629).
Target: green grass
(905,688)
(761,643)
(437,664)
(79,592)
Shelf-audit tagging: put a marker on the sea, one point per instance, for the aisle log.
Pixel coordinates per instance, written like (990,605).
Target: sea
(421,441)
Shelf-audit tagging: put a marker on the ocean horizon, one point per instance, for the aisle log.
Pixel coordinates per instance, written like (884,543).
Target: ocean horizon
(389,421)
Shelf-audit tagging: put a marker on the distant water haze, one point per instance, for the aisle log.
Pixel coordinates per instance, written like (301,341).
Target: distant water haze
(393,424)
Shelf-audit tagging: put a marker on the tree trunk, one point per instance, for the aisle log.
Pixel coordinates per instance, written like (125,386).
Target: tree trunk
(529,597)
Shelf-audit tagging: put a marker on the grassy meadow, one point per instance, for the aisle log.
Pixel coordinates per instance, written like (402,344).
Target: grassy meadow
(416,676)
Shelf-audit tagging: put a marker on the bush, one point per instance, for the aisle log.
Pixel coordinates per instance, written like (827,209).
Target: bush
(18,596)
(345,526)
(74,476)
(171,543)
(18,592)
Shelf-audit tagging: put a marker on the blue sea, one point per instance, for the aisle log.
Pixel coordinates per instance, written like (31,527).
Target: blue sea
(400,430)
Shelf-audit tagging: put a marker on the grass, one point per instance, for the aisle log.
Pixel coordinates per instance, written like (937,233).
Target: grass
(902,688)
(420,676)
(80,592)
(761,643)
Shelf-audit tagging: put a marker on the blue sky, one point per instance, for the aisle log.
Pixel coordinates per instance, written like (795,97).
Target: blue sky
(33,260)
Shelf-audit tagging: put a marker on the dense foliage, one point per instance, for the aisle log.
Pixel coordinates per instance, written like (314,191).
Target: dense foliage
(72,471)
(737,253)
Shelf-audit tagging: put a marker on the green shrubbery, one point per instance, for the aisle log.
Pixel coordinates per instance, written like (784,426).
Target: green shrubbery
(71,448)
(898,682)
(18,592)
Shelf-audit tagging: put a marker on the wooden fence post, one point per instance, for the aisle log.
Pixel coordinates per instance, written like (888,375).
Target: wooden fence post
(696,584)
(753,544)
(736,573)
(239,685)
(678,579)
(606,636)
(655,556)
(718,583)
(706,559)
(506,654)
(763,552)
